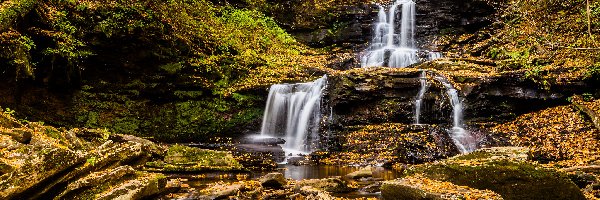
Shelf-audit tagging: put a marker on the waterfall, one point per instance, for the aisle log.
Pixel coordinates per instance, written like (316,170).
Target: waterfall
(432,55)
(399,48)
(294,111)
(420,95)
(461,137)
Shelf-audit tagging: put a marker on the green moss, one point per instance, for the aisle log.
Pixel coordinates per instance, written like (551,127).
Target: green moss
(183,158)
(512,180)
(475,155)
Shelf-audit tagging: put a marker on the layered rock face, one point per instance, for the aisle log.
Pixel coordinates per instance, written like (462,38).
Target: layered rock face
(350,22)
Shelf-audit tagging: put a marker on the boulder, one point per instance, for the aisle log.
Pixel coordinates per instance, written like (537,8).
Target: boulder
(273,180)
(188,159)
(361,173)
(334,185)
(503,170)
(420,188)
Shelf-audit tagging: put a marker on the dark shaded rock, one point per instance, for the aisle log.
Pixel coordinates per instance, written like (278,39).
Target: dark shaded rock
(371,144)
(273,152)
(273,180)
(263,141)
(582,180)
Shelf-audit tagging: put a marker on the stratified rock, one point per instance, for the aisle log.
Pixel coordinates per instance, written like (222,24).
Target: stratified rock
(144,185)
(262,141)
(57,163)
(505,171)
(420,188)
(188,159)
(273,180)
(361,173)
(334,185)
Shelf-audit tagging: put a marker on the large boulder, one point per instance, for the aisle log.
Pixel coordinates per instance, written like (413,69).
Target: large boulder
(334,185)
(505,171)
(181,158)
(420,188)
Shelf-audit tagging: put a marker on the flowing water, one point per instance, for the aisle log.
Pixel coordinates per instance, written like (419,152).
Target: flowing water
(461,137)
(399,47)
(433,55)
(420,95)
(293,111)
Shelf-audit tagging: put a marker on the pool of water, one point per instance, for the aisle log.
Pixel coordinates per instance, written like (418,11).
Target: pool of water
(318,172)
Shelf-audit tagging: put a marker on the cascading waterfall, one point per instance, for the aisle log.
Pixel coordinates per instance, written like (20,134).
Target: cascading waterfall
(461,137)
(420,95)
(294,111)
(398,48)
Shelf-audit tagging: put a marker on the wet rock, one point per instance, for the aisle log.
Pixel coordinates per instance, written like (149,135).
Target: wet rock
(273,180)
(275,152)
(312,193)
(504,171)
(361,173)
(263,141)
(420,188)
(373,188)
(334,185)
(300,160)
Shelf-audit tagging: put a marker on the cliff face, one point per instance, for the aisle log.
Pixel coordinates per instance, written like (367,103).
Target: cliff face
(170,76)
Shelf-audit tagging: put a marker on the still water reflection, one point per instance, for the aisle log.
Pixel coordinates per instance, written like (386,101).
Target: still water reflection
(318,172)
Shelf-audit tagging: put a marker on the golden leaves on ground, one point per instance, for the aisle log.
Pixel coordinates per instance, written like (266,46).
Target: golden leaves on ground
(558,135)
(448,190)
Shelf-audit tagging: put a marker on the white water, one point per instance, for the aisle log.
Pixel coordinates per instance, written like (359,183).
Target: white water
(398,47)
(433,55)
(461,137)
(420,95)
(294,111)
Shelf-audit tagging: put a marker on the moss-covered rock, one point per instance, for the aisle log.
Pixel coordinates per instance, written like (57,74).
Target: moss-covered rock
(420,188)
(335,185)
(503,171)
(77,163)
(188,159)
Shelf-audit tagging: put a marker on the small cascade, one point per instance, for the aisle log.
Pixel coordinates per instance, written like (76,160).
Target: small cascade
(462,138)
(294,111)
(434,55)
(420,95)
(399,48)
